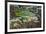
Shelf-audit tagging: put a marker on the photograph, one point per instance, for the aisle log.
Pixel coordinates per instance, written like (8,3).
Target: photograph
(24,17)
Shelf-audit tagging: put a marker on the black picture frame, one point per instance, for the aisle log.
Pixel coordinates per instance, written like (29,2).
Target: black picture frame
(24,2)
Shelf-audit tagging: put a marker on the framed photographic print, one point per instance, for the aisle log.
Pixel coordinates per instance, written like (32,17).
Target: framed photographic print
(25,16)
